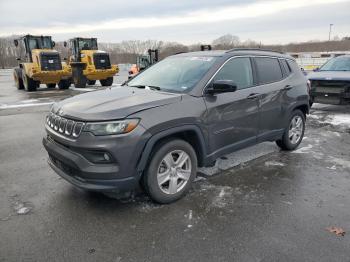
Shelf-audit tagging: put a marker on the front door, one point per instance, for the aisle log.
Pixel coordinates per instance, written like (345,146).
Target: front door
(232,118)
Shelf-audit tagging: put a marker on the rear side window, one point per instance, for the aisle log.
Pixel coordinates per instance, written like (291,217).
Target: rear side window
(268,69)
(239,70)
(286,66)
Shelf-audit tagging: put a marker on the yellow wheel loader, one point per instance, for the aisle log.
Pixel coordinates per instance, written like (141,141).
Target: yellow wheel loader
(40,65)
(90,64)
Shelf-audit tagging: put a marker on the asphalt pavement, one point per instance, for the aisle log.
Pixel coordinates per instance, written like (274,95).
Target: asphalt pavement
(257,204)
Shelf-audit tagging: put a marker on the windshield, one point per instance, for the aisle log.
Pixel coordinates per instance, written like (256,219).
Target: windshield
(341,63)
(174,74)
(87,44)
(39,43)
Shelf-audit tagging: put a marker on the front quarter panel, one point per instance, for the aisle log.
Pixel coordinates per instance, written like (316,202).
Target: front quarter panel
(189,111)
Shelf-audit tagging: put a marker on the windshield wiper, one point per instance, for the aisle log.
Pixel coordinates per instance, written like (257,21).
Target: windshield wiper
(145,86)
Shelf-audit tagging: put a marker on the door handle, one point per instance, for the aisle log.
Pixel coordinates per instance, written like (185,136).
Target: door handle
(287,87)
(253,96)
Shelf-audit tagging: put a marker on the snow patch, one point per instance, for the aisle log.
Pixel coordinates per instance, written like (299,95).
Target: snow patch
(22,209)
(341,119)
(148,207)
(303,150)
(221,195)
(273,163)
(342,162)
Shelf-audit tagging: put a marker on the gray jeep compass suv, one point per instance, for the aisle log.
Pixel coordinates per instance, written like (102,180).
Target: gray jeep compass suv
(183,112)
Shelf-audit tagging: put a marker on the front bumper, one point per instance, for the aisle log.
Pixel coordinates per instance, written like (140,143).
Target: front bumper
(51,76)
(66,160)
(113,185)
(96,74)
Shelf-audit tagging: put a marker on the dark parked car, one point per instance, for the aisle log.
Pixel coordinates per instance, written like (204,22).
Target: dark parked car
(181,113)
(330,84)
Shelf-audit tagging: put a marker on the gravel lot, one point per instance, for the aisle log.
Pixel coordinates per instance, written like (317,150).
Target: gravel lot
(258,204)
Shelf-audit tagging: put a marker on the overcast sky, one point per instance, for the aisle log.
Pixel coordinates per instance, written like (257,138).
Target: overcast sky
(185,21)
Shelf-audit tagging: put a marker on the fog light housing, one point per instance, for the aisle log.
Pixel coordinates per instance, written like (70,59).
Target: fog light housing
(98,157)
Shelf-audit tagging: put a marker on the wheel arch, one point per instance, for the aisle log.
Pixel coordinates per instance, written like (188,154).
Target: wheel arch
(305,108)
(189,133)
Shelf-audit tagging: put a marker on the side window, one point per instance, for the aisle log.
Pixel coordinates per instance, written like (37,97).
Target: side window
(268,69)
(286,67)
(239,70)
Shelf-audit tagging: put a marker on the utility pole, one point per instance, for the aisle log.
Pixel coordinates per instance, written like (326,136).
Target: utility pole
(330,31)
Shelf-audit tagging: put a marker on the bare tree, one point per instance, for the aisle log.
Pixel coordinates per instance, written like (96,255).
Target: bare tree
(226,41)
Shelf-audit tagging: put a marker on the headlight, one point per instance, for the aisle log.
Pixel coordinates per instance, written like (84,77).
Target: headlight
(111,128)
(82,55)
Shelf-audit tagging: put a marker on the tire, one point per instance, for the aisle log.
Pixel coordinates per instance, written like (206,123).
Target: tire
(91,82)
(289,140)
(79,79)
(64,84)
(29,84)
(107,82)
(175,184)
(50,85)
(17,76)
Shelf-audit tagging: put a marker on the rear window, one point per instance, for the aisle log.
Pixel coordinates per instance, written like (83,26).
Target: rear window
(268,69)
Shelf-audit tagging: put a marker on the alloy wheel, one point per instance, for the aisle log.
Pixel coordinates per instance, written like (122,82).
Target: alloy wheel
(174,172)
(296,129)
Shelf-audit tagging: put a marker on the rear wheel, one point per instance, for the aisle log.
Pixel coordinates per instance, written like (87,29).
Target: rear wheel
(29,83)
(294,133)
(172,169)
(17,76)
(64,84)
(107,82)
(91,82)
(51,85)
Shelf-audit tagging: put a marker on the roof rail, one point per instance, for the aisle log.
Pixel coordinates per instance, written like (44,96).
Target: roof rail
(253,49)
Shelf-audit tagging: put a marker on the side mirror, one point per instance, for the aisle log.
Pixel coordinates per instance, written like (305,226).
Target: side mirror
(18,59)
(316,69)
(65,58)
(65,44)
(221,86)
(15,42)
(53,43)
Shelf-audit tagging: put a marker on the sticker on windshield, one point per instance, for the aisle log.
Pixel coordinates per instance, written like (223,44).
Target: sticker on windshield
(200,58)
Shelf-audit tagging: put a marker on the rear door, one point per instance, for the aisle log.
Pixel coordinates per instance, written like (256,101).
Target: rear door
(232,118)
(273,83)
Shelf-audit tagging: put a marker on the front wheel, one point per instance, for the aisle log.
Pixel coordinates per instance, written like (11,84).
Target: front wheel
(172,169)
(107,82)
(79,79)
(294,133)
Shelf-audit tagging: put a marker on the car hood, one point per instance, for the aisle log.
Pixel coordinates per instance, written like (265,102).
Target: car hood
(330,75)
(112,103)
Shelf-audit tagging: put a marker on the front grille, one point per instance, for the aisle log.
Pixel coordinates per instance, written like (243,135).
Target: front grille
(50,62)
(64,126)
(101,61)
(330,86)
